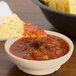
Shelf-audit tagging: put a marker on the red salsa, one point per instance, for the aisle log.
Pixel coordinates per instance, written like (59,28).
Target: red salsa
(46,48)
(33,31)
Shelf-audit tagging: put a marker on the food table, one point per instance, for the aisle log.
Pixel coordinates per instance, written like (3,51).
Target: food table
(31,13)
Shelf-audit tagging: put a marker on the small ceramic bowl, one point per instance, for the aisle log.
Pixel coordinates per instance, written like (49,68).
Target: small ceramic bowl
(39,67)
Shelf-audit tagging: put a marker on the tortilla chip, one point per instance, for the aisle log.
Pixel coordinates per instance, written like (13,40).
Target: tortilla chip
(72,6)
(67,6)
(61,5)
(12,27)
(45,1)
(52,3)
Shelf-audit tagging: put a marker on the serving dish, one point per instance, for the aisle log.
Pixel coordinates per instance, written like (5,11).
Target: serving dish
(39,67)
(64,22)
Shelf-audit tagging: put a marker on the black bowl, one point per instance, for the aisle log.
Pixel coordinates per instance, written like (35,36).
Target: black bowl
(64,22)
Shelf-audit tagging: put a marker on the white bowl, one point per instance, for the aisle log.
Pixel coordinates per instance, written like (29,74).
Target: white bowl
(40,67)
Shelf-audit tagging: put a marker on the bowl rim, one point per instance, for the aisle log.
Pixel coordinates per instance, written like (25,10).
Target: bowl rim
(37,2)
(56,33)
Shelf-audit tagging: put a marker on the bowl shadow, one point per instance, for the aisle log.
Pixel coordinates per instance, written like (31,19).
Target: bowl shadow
(14,71)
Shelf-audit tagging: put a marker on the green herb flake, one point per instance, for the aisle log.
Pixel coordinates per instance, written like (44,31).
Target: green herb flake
(47,46)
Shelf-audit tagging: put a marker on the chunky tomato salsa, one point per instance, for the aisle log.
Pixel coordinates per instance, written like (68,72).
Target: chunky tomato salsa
(33,31)
(50,47)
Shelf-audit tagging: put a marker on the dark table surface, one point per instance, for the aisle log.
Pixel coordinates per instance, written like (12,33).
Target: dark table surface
(31,13)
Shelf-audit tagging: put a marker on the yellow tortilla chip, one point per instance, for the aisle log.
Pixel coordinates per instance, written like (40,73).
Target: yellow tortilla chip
(66,6)
(52,3)
(45,1)
(72,6)
(12,27)
(61,5)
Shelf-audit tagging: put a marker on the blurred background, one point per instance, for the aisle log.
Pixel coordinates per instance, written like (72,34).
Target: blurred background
(31,13)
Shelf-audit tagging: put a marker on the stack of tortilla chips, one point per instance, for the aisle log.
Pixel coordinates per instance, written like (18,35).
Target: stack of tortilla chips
(68,6)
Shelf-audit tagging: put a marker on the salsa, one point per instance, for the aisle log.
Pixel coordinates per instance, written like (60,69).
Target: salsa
(46,48)
(33,31)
